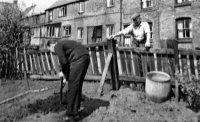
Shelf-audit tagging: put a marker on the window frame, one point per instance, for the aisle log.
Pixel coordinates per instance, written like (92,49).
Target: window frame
(62,12)
(50,17)
(184,29)
(67,31)
(108,3)
(80,37)
(81,7)
(147,7)
(127,36)
(111,32)
(94,34)
(183,3)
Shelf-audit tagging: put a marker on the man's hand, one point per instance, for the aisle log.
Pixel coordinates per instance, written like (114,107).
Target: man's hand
(110,37)
(61,74)
(147,44)
(64,81)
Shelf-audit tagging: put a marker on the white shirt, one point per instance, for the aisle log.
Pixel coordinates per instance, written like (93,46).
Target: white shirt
(137,32)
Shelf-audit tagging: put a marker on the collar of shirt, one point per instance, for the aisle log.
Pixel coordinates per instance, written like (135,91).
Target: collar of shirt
(135,27)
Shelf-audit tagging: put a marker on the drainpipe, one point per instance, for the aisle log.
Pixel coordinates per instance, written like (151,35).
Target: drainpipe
(159,13)
(120,19)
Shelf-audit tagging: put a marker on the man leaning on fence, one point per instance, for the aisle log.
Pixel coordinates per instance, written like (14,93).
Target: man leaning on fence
(139,30)
(74,61)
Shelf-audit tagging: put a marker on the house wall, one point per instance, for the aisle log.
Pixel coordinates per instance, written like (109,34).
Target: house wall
(163,15)
(167,22)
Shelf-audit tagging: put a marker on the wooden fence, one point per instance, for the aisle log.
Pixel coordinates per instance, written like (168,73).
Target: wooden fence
(128,64)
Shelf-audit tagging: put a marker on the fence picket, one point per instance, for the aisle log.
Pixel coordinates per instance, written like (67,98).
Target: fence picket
(35,64)
(119,62)
(53,63)
(48,64)
(195,66)
(31,64)
(188,64)
(132,63)
(152,65)
(39,64)
(180,63)
(155,61)
(91,61)
(126,63)
(25,60)
(98,60)
(43,65)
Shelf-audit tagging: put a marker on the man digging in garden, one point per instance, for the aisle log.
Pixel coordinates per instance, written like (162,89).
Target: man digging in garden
(74,61)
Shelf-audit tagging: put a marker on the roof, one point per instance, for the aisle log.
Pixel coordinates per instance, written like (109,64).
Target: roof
(62,2)
(5,3)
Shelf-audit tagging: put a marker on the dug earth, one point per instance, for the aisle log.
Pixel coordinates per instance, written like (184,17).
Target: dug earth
(124,105)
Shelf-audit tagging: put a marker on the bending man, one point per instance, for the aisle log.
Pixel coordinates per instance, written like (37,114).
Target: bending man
(74,61)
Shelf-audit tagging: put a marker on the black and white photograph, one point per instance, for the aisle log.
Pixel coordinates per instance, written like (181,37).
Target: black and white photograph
(99,60)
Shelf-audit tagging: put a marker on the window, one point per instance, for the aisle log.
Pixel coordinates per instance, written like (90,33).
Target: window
(94,34)
(146,3)
(36,32)
(50,15)
(182,1)
(109,30)
(80,33)
(184,27)
(151,29)
(37,19)
(81,7)
(52,30)
(110,3)
(67,30)
(127,38)
(62,11)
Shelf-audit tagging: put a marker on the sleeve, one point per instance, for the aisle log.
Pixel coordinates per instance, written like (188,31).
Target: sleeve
(128,30)
(146,27)
(62,59)
(147,32)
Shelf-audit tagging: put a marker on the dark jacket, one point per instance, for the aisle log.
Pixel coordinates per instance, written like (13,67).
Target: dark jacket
(69,51)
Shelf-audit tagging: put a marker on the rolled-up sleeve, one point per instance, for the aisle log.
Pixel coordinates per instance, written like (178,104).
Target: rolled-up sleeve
(128,30)
(146,27)
(62,57)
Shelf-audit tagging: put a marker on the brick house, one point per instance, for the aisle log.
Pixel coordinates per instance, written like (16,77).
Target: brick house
(91,21)
(36,22)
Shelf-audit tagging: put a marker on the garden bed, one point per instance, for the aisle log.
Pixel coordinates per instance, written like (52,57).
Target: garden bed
(125,105)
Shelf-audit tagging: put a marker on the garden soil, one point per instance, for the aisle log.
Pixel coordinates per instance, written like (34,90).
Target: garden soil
(124,105)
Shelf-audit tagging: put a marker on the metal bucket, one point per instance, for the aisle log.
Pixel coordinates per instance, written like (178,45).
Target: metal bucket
(157,86)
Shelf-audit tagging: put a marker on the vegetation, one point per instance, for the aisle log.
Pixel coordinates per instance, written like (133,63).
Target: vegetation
(189,90)
(11,29)
(12,36)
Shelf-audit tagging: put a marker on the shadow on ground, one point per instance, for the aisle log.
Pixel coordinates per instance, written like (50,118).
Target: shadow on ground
(52,104)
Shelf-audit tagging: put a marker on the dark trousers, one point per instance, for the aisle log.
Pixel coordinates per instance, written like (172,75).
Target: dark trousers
(138,57)
(76,77)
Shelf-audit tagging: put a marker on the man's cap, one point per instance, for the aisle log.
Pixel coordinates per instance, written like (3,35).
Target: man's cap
(135,15)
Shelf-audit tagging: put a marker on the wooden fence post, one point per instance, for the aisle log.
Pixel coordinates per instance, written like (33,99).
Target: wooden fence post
(114,65)
(174,45)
